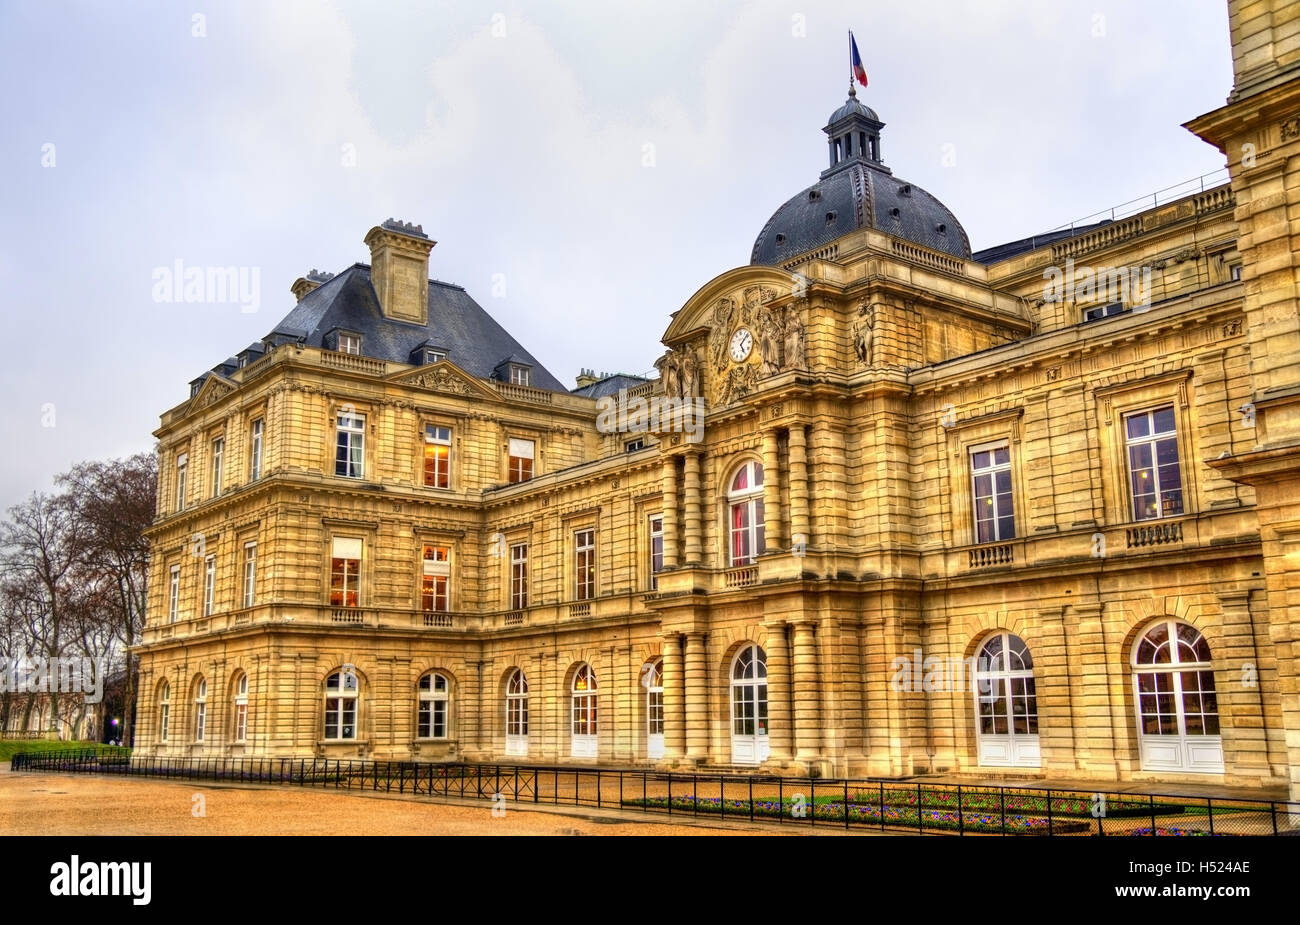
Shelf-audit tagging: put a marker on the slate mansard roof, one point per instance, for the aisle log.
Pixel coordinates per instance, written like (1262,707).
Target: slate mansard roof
(472,339)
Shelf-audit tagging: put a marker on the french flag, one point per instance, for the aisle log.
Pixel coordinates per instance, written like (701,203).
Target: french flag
(855,63)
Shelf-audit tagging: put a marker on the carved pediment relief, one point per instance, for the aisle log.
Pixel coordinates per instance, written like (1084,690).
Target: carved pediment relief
(214,389)
(443,376)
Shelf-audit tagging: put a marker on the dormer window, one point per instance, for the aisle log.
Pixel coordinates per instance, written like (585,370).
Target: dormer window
(520,375)
(434,356)
(349,343)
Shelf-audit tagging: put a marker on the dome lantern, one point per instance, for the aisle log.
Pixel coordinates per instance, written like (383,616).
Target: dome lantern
(853,132)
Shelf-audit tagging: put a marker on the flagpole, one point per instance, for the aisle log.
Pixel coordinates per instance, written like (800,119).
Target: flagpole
(852,91)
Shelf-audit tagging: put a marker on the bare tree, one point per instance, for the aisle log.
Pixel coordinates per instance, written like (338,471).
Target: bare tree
(41,545)
(114,502)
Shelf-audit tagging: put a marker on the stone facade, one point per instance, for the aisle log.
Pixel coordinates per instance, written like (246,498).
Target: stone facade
(877,372)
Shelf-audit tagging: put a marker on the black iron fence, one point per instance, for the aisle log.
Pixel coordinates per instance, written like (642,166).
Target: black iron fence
(852,804)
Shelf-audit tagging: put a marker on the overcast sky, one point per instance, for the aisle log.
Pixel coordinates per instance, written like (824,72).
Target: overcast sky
(519,139)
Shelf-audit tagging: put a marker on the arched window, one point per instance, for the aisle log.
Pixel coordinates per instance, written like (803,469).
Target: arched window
(749,743)
(517,714)
(652,678)
(1177,710)
(341,705)
(200,710)
(164,711)
(433,692)
(1006,704)
(584,713)
(241,709)
(745,513)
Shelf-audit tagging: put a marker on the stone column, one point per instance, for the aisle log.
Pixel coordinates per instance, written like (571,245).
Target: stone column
(779,725)
(670,512)
(798,485)
(697,715)
(772,492)
(692,525)
(807,717)
(674,700)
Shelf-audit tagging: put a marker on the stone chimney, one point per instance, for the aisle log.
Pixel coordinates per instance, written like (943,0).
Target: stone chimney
(399,270)
(312,281)
(587,377)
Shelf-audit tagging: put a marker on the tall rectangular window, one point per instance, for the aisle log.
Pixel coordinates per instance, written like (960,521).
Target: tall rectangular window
(991,492)
(437,457)
(584,564)
(519,576)
(255,450)
(250,573)
(656,549)
(1155,478)
(182,467)
(349,458)
(209,583)
(345,571)
(521,460)
(434,578)
(218,456)
(174,594)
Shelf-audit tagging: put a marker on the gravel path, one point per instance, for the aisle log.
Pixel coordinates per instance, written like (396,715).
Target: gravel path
(70,804)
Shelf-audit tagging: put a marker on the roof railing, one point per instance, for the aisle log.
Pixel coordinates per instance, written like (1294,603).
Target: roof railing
(1151,200)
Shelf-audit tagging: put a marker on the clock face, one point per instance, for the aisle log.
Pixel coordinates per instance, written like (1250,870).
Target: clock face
(742,342)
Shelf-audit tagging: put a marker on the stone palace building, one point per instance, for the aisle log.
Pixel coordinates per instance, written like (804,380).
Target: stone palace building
(1033,510)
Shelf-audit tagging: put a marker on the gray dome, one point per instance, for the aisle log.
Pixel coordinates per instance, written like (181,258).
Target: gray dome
(852,108)
(859,196)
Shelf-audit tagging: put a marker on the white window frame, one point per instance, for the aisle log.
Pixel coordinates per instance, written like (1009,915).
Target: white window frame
(350,445)
(250,573)
(201,710)
(518,576)
(174,594)
(435,436)
(584,563)
(182,472)
(349,551)
(209,583)
(517,714)
(240,732)
(1152,441)
(995,498)
(436,702)
(349,343)
(518,450)
(218,462)
(1177,749)
(257,431)
(337,700)
(434,571)
(656,549)
(749,707)
(749,500)
(164,711)
(652,674)
(1002,685)
(584,716)
(520,375)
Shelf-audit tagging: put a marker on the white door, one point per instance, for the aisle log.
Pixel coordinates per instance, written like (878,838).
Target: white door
(652,676)
(1177,708)
(583,730)
(1006,704)
(517,715)
(749,744)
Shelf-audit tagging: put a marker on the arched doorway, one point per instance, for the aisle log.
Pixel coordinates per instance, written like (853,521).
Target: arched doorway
(652,677)
(749,743)
(1006,703)
(1177,709)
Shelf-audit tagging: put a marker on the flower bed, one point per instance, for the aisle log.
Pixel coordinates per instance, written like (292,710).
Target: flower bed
(1021,802)
(866,814)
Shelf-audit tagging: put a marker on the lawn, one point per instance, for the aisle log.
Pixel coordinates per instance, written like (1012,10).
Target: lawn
(11,747)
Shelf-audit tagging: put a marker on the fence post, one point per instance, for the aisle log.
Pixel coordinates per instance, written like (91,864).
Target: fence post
(882,806)
(1002,803)
(846,802)
(1049,812)
(961,817)
(920,823)
(1151,800)
(751,798)
(1273,807)
(1209,811)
